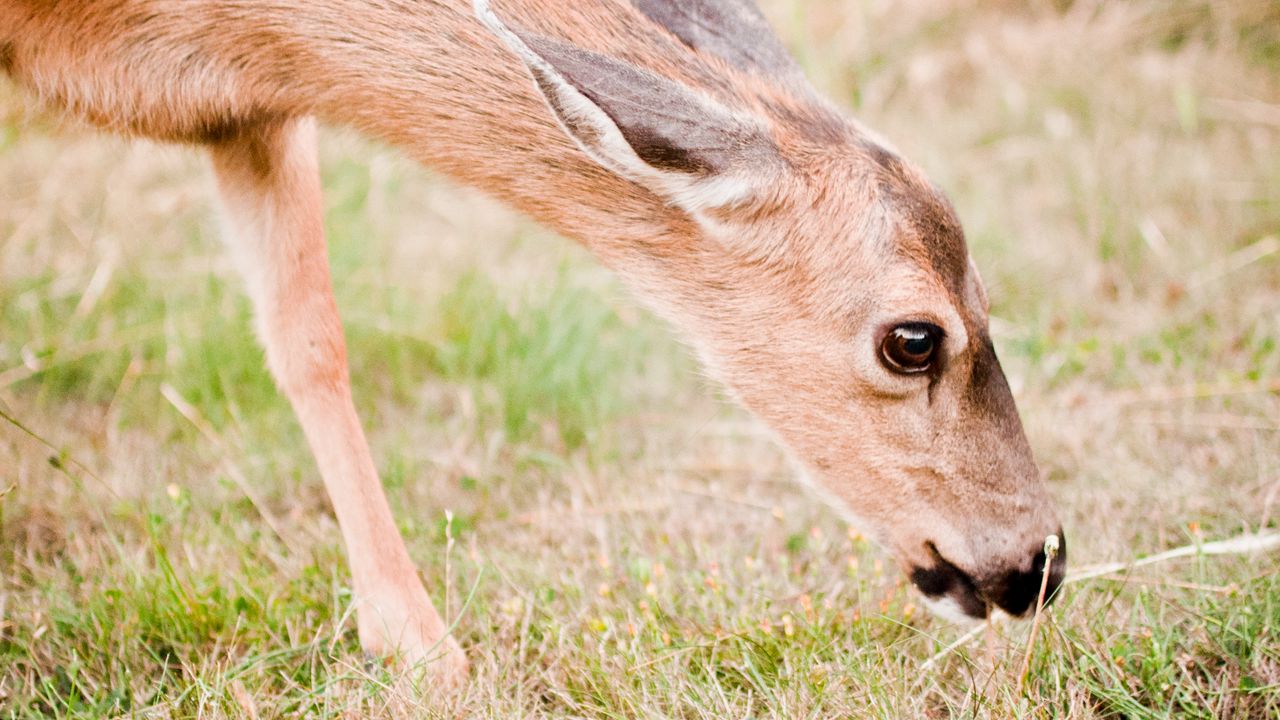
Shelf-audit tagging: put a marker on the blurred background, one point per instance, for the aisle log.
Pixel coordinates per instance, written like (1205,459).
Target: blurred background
(617,539)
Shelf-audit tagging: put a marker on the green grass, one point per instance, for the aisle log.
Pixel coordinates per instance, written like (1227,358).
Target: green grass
(622,543)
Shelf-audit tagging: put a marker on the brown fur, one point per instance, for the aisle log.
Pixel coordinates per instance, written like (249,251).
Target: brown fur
(785,308)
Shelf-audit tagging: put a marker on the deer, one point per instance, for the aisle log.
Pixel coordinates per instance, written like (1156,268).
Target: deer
(816,273)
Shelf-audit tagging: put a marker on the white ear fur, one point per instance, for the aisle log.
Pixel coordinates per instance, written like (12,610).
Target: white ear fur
(610,148)
(600,137)
(979,289)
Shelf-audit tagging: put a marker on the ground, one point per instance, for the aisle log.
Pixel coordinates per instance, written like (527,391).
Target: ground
(611,536)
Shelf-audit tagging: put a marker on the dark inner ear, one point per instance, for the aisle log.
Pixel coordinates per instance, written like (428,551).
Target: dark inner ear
(735,30)
(667,125)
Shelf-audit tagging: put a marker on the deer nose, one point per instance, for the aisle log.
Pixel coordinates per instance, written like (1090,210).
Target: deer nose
(1014,591)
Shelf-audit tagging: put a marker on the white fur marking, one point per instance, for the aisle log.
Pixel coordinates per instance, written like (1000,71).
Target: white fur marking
(948,608)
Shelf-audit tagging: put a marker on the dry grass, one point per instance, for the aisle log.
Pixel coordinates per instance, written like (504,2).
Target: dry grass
(627,545)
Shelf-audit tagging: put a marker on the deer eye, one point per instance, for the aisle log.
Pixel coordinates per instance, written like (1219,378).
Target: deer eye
(911,348)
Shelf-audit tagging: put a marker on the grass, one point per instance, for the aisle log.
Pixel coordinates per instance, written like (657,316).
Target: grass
(619,541)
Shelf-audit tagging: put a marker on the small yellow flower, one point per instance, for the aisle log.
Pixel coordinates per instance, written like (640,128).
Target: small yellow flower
(512,609)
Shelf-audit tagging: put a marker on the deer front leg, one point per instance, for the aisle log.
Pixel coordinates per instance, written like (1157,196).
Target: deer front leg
(270,187)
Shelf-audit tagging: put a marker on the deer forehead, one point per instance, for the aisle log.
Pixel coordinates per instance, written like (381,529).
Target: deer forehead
(926,240)
(874,230)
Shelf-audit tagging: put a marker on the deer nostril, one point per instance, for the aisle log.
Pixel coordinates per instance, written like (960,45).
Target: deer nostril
(945,580)
(1016,591)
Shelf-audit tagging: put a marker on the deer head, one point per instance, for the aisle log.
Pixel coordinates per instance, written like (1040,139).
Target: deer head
(825,281)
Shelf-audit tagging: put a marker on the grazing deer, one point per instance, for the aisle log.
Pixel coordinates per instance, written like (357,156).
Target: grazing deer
(818,274)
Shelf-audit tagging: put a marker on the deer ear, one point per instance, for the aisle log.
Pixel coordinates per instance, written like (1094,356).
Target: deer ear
(734,30)
(687,148)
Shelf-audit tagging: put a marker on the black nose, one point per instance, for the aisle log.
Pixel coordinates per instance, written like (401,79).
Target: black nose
(1013,591)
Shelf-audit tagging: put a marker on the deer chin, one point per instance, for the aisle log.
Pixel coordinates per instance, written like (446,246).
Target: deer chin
(949,609)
